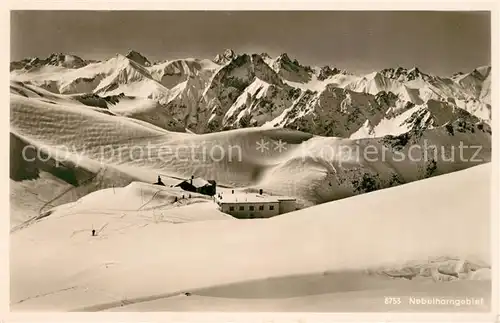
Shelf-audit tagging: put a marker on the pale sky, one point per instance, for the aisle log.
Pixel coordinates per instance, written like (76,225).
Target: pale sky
(360,41)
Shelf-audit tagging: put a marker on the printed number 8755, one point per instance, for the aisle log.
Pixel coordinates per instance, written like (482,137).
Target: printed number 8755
(392,300)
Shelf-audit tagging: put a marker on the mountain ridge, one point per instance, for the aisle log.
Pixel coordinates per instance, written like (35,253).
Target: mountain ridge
(237,90)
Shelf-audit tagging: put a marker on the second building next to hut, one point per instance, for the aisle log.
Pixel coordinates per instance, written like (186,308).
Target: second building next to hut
(199,185)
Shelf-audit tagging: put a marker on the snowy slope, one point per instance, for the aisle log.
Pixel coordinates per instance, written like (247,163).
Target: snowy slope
(100,118)
(409,230)
(259,103)
(87,141)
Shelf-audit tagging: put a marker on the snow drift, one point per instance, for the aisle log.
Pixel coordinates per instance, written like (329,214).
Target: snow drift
(328,168)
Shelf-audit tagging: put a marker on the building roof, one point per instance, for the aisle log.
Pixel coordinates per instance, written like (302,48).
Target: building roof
(197,182)
(251,198)
(200,182)
(286,198)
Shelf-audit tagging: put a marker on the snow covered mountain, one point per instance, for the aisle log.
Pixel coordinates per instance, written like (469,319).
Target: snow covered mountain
(250,90)
(63,60)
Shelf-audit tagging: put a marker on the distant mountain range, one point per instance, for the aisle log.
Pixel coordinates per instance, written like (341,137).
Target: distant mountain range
(251,90)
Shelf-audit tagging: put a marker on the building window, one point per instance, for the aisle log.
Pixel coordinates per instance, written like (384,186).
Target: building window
(261,208)
(242,208)
(231,208)
(251,208)
(271,207)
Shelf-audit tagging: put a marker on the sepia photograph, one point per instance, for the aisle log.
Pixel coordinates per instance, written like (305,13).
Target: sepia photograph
(251,161)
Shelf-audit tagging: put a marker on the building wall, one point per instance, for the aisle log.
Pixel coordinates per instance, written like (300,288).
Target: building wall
(246,213)
(207,190)
(287,206)
(187,186)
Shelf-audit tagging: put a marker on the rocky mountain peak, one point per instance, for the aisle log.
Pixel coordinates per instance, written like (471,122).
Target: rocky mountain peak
(225,57)
(138,58)
(284,62)
(403,74)
(326,72)
(54,59)
(265,55)
(284,57)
